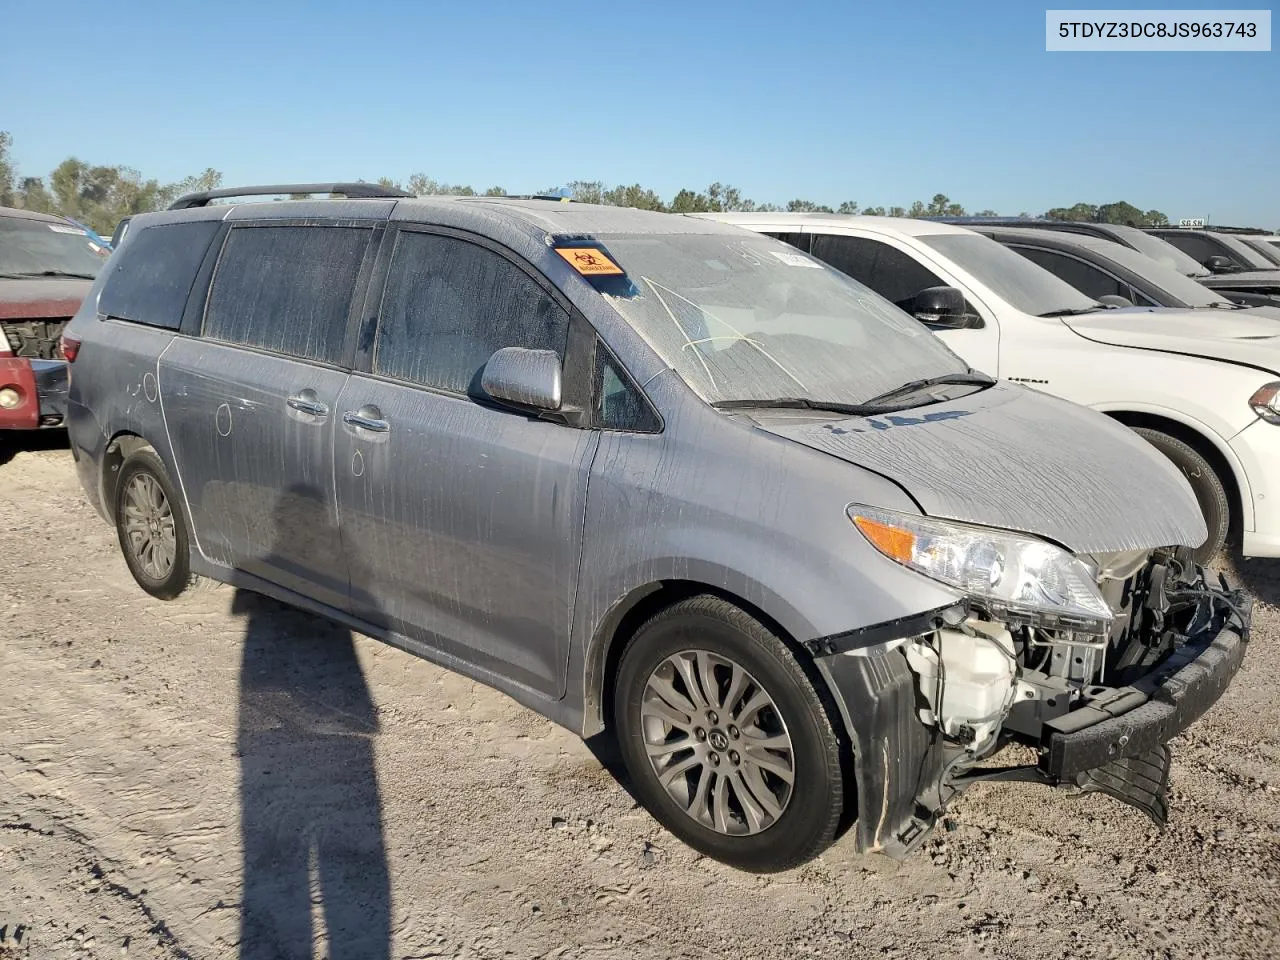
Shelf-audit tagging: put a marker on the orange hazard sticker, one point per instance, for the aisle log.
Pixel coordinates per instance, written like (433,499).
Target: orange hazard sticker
(589,261)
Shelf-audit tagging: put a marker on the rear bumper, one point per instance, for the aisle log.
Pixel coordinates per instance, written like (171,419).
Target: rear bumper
(41,386)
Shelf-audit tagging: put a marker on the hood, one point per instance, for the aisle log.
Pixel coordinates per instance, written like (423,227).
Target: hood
(1014,458)
(1236,336)
(40,297)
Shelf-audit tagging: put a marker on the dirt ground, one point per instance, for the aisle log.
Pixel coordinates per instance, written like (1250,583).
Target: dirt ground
(171,771)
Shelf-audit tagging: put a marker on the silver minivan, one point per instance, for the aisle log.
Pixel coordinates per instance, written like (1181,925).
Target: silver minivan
(661,477)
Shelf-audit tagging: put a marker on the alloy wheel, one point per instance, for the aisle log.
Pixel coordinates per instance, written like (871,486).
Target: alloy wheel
(717,742)
(149,526)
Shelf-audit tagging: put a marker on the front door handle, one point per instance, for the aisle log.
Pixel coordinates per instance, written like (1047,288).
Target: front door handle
(306,401)
(368,418)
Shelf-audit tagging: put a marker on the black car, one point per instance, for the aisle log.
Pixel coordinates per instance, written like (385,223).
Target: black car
(1259,286)
(1240,271)
(1108,271)
(1218,252)
(1131,237)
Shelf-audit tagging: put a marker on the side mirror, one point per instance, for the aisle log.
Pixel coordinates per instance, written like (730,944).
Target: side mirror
(525,378)
(940,307)
(1114,300)
(1220,264)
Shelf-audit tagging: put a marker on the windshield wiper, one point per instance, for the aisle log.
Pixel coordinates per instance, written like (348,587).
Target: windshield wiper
(915,386)
(26,274)
(883,403)
(1073,311)
(800,403)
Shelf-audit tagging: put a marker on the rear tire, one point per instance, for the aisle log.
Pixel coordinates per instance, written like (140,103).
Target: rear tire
(1205,483)
(728,742)
(151,527)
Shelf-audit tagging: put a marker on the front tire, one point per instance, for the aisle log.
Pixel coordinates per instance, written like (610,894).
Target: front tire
(1205,483)
(151,527)
(728,742)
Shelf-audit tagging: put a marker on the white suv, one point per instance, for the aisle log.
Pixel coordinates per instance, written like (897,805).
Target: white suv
(1201,385)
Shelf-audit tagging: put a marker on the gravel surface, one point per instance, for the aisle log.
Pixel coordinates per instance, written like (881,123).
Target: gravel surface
(220,776)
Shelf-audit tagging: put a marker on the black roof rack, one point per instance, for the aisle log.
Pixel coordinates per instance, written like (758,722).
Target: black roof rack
(352,191)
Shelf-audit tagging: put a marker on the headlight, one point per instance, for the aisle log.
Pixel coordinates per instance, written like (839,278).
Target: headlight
(1266,402)
(1015,577)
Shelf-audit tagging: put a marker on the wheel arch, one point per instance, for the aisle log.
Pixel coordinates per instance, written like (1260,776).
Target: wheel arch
(625,617)
(1209,445)
(117,450)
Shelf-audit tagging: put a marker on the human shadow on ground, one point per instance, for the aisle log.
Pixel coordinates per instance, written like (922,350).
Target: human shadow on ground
(311,811)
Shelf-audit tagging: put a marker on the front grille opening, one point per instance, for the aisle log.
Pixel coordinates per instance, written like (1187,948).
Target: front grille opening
(35,339)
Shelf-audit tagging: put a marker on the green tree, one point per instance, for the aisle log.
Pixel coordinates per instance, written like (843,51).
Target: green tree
(807,206)
(897,211)
(8,172)
(848,206)
(1154,218)
(1085,212)
(633,196)
(586,191)
(918,209)
(686,201)
(420,185)
(723,198)
(986,213)
(495,192)
(1121,212)
(875,212)
(32,194)
(211,179)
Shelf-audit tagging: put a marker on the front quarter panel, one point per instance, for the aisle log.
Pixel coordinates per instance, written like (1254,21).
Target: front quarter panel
(713,501)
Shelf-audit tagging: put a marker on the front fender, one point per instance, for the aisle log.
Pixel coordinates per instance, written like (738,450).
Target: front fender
(1116,409)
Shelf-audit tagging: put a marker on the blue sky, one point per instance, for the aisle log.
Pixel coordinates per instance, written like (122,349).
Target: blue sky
(829,101)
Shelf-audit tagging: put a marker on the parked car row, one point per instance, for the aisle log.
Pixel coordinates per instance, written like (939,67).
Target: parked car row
(1244,268)
(798,518)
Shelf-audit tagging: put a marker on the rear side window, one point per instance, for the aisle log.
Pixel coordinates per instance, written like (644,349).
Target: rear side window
(885,269)
(449,304)
(287,289)
(149,279)
(1199,247)
(798,240)
(888,271)
(1085,277)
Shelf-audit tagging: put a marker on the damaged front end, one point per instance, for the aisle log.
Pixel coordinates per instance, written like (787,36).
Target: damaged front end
(930,698)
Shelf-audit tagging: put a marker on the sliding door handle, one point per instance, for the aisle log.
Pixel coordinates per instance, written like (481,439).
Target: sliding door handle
(306,401)
(372,424)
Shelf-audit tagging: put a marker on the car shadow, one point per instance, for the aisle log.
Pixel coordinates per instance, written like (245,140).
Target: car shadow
(311,810)
(14,442)
(1259,576)
(604,747)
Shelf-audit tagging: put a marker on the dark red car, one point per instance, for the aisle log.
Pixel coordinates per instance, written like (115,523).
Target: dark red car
(47,265)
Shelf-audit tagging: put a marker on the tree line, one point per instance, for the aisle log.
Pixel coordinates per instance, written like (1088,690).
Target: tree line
(101,196)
